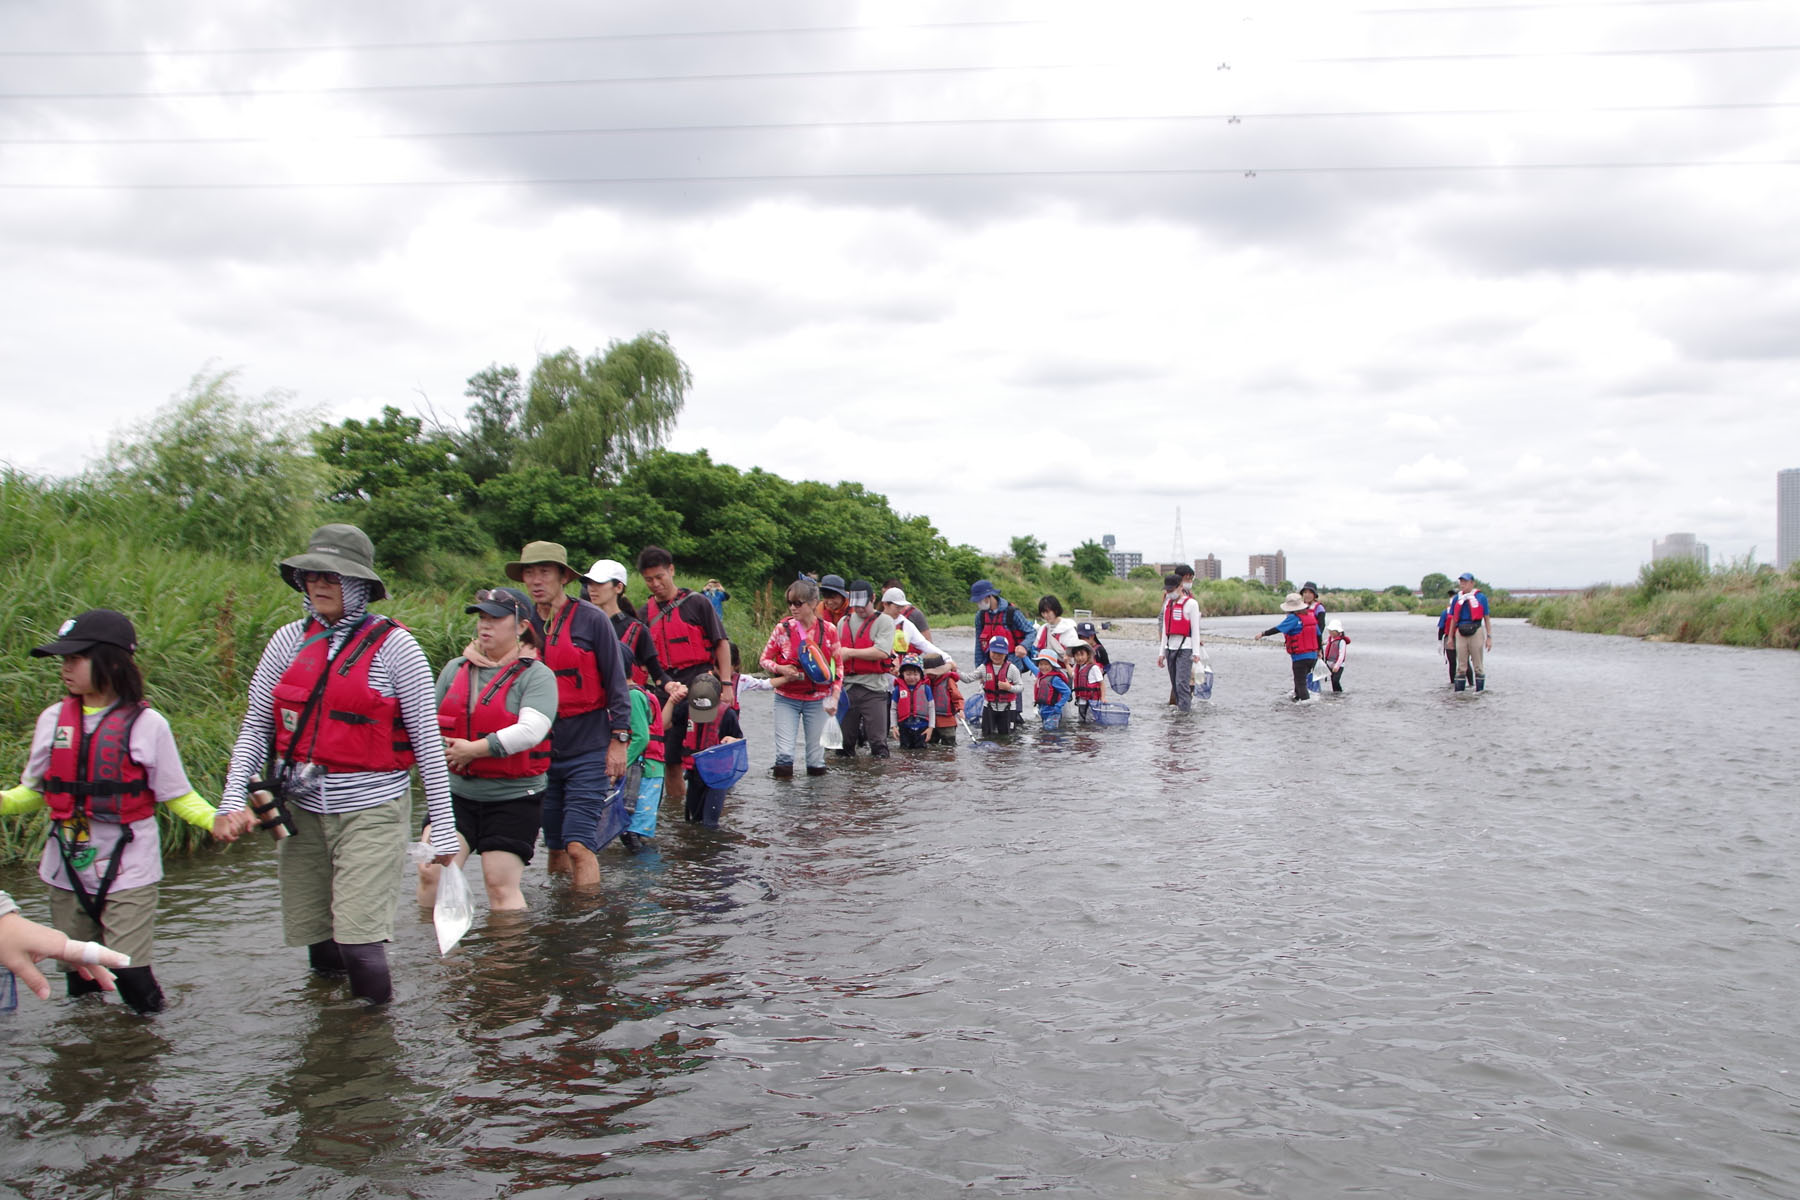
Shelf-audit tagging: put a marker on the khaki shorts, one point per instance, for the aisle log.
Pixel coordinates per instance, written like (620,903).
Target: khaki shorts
(128,922)
(340,875)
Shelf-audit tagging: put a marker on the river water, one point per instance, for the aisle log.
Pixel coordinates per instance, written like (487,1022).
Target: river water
(1541,941)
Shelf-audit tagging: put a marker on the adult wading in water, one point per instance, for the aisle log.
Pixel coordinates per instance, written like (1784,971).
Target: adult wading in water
(343,696)
(582,812)
(690,641)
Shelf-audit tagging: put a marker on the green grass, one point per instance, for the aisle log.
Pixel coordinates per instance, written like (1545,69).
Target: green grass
(1739,605)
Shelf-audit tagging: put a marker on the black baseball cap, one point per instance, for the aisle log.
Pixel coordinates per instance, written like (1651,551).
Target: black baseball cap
(95,627)
(501,602)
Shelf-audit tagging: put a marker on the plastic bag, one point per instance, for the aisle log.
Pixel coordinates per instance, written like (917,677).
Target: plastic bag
(455,911)
(833,737)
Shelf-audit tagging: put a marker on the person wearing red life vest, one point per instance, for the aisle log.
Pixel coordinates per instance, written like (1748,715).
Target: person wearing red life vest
(496,705)
(866,655)
(1336,652)
(1001,687)
(802,662)
(1309,592)
(1300,636)
(605,584)
(1472,626)
(1179,626)
(996,616)
(1446,635)
(101,760)
(690,640)
(1052,691)
(583,810)
(1087,679)
(345,697)
(946,698)
(914,705)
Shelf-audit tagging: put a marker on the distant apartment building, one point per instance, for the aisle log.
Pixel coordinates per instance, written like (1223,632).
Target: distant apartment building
(1269,569)
(1681,545)
(1787,518)
(1124,560)
(1208,568)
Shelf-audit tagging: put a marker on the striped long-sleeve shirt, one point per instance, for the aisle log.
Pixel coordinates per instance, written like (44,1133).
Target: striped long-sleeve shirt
(399,669)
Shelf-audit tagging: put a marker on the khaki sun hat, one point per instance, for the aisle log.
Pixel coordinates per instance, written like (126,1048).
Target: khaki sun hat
(538,554)
(339,549)
(1294,603)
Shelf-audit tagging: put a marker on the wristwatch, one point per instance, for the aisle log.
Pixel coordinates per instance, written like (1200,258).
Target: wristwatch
(621,735)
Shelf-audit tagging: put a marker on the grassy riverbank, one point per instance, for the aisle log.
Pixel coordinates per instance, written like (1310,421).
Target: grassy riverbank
(1737,605)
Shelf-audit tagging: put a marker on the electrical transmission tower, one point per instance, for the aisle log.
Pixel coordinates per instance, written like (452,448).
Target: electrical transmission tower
(1180,547)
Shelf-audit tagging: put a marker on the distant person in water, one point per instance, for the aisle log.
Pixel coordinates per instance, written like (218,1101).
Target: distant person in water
(1179,625)
(1337,652)
(1301,637)
(1470,624)
(1446,637)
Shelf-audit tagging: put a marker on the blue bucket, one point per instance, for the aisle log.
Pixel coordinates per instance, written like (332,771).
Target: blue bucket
(723,765)
(1119,675)
(1103,712)
(973,703)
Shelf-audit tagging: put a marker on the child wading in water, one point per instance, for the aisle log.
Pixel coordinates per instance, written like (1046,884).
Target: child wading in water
(101,760)
(1300,635)
(1087,680)
(1053,691)
(1337,649)
(914,705)
(1000,689)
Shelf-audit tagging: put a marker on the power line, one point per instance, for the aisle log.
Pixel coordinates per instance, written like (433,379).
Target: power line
(487,43)
(909,123)
(1249,172)
(848,73)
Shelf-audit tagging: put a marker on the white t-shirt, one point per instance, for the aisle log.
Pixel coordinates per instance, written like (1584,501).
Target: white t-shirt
(1179,641)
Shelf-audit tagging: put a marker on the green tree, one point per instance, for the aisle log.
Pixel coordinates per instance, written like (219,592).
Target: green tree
(1092,562)
(1142,573)
(538,503)
(402,484)
(594,418)
(1435,584)
(490,444)
(217,471)
(1400,589)
(1028,552)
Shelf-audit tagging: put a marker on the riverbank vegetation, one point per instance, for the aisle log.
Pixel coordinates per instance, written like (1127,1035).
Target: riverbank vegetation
(1737,604)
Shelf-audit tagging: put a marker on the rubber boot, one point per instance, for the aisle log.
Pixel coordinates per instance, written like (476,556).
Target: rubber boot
(326,957)
(631,841)
(1481,683)
(1461,684)
(584,868)
(81,987)
(784,770)
(138,988)
(559,862)
(367,964)
(815,770)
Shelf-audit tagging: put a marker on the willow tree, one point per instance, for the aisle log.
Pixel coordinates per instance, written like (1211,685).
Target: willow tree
(594,417)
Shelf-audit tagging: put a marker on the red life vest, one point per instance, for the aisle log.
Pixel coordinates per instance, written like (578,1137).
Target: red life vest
(863,639)
(948,699)
(1046,694)
(991,679)
(459,718)
(989,625)
(95,772)
(910,702)
(631,639)
(699,737)
(1175,618)
(1306,642)
(1088,682)
(654,751)
(578,686)
(680,643)
(1337,648)
(1468,608)
(352,727)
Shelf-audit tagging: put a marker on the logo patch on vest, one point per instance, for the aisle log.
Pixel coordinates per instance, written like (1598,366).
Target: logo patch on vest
(290,718)
(65,738)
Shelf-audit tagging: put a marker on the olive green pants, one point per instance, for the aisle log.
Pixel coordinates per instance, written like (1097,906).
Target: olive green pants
(340,875)
(127,923)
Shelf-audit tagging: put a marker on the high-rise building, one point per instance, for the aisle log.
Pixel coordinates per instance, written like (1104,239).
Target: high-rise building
(1271,569)
(1124,560)
(1682,545)
(1787,518)
(1208,568)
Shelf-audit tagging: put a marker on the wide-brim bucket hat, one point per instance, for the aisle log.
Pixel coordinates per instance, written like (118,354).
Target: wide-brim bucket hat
(980,590)
(1294,603)
(341,550)
(538,554)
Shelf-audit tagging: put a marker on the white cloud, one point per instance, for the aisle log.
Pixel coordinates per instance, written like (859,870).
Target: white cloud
(1427,473)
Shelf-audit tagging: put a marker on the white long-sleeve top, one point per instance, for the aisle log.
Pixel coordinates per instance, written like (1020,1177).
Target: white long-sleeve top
(398,669)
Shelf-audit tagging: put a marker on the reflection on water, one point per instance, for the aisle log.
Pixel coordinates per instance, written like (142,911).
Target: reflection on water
(1398,941)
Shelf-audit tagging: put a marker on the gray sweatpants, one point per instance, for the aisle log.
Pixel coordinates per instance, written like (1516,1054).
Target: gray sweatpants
(868,712)
(1181,676)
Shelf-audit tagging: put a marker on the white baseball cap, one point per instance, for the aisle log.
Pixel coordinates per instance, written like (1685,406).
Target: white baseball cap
(893,596)
(606,571)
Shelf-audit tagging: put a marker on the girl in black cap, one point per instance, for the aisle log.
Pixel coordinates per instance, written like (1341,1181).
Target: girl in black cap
(101,761)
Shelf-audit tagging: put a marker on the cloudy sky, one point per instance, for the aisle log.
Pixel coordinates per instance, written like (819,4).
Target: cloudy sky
(1500,286)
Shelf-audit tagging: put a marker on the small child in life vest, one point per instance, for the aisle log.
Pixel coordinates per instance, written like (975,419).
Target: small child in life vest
(1337,650)
(1000,688)
(1087,680)
(1091,636)
(710,723)
(101,761)
(914,705)
(643,767)
(946,698)
(1052,691)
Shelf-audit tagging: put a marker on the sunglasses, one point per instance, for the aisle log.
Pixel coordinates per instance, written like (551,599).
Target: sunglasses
(326,577)
(798,603)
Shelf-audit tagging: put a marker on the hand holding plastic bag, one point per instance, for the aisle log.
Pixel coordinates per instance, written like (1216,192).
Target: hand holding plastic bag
(455,911)
(833,737)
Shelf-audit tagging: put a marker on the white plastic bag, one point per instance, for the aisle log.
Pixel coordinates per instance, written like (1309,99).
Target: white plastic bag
(455,911)
(833,737)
